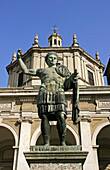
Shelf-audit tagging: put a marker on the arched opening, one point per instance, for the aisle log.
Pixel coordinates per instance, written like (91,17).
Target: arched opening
(6,149)
(103,140)
(54,138)
(55,41)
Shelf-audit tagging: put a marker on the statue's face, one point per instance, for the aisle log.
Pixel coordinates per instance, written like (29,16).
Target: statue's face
(52,60)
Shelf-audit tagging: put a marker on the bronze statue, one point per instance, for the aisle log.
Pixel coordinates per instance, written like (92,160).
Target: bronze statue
(51,99)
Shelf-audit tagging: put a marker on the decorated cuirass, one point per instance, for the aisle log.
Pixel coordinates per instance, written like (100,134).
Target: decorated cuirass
(51,96)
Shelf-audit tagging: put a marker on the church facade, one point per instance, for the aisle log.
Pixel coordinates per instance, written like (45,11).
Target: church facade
(19,121)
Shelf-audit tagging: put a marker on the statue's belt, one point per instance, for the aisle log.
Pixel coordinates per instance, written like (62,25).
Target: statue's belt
(53,81)
(52,86)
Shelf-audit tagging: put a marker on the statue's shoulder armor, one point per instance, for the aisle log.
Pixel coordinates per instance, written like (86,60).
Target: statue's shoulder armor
(62,71)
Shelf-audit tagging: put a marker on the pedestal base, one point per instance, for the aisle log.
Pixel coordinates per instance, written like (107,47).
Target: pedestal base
(57,166)
(56,157)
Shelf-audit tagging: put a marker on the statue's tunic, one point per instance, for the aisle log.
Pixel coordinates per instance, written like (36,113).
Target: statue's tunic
(51,97)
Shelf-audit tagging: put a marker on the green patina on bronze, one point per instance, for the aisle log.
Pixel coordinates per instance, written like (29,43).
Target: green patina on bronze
(55,80)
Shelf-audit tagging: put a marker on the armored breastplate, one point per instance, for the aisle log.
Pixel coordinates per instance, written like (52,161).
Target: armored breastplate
(52,81)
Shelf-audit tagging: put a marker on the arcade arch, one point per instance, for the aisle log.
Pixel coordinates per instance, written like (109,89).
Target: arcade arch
(8,139)
(101,137)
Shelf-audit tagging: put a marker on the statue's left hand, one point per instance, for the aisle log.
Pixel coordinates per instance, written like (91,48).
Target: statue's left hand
(19,54)
(74,76)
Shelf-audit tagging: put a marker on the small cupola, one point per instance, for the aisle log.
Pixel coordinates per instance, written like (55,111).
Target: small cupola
(55,39)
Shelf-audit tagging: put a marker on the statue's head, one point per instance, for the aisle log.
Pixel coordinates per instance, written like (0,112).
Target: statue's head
(51,59)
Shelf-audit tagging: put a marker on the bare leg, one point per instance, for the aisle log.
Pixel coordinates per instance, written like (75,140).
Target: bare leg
(45,128)
(61,126)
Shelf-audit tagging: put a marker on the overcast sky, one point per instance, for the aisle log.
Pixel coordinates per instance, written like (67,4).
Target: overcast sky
(20,20)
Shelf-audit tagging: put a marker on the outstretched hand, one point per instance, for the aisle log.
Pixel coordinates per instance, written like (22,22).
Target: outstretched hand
(74,75)
(19,54)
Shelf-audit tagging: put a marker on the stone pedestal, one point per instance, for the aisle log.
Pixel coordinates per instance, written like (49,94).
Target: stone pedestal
(56,157)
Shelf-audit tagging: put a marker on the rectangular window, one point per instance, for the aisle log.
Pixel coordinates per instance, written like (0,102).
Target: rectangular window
(90,77)
(20,79)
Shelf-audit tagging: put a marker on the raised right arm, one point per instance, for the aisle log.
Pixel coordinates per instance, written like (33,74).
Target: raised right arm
(25,70)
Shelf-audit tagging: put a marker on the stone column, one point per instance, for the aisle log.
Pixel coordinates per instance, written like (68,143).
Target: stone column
(98,75)
(65,61)
(15,148)
(84,70)
(43,64)
(70,63)
(37,61)
(24,143)
(33,61)
(86,143)
(95,76)
(77,62)
(95,147)
(101,77)
(10,79)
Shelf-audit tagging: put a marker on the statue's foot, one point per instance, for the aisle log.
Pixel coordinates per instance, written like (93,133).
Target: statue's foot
(46,140)
(63,144)
(46,144)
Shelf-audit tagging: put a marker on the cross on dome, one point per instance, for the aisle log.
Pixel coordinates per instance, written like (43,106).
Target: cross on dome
(54,28)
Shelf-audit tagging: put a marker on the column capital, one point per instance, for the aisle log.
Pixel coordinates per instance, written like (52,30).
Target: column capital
(25,119)
(95,147)
(85,118)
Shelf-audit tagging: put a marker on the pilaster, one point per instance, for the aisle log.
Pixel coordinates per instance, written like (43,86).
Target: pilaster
(86,142)
(24,142)
(101,77)
(77,62)
(9,79)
